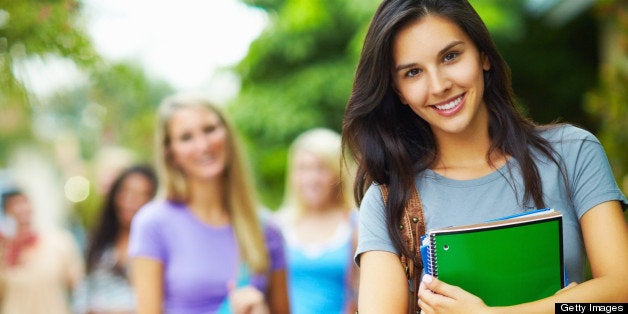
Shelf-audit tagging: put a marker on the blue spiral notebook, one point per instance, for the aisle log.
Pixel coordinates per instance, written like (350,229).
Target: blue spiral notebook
(506,261)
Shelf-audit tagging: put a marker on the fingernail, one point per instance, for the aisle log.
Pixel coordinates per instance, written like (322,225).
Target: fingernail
(427,278)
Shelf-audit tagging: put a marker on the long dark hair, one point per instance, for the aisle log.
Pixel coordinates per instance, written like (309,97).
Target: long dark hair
(388,139)
(109,223)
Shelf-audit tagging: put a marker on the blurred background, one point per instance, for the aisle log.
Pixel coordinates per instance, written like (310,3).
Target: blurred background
(80,80)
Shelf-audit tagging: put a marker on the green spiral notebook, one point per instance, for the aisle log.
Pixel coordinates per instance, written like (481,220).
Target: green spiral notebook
(506,261)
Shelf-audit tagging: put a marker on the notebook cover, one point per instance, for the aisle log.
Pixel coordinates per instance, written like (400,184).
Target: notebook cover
(503,264)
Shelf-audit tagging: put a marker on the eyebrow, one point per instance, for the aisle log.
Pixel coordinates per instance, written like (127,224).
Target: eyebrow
(442,51)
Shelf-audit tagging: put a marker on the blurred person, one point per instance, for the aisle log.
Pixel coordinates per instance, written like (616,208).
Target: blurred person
(203,248)
(106,289)
(38,270)
(319,222)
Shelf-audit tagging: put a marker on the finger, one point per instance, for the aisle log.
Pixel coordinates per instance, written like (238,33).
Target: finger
(230,286)
(569,286)
(429,301)
(439,287)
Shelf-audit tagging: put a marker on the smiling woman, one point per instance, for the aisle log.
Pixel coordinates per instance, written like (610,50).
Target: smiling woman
(204,248)
(432,110)
(439,74)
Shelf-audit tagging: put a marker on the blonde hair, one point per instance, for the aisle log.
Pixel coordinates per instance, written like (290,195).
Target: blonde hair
(239,194)
(325,144)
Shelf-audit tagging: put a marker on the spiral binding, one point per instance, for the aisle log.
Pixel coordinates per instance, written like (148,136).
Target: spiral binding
(432,266)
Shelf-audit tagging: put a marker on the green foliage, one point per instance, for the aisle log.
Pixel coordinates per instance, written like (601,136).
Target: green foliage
(31,29)
(609,100)
(47,27)
(503,18)
(116,107)
(297,75)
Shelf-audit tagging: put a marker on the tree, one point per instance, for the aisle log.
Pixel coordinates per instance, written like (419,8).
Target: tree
(297,75)
(608,101)
(34,29)
(115,108)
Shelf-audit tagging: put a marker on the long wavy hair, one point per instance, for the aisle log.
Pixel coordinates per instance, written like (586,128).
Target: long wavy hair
(326,145)
(392,144)
(239,195)
(106,232)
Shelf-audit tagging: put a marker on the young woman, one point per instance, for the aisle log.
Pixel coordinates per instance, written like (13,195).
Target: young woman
(319,221)
(432,109)
(106,288)
(203,249)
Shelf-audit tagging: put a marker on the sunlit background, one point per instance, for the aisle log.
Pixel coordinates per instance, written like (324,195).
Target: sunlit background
(80,80)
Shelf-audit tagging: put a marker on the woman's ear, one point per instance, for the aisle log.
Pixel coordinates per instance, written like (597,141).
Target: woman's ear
(486,63)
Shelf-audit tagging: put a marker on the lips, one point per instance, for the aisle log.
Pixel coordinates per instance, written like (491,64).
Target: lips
(451,106)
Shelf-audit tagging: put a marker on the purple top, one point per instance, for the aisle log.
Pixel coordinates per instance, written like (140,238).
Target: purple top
(199,260)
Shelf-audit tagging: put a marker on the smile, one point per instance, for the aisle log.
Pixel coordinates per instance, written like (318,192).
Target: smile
(450,105)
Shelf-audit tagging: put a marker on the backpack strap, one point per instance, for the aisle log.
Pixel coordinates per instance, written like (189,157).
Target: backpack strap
(412,226)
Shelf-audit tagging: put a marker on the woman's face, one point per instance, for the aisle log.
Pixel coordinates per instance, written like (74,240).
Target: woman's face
(135,191)
(438,72)
(198,143)
(312,180)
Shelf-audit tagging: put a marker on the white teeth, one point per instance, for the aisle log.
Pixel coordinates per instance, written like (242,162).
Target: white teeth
(450,104)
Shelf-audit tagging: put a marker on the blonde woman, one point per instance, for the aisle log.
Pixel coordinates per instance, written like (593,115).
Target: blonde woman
(319,224)
(203,248)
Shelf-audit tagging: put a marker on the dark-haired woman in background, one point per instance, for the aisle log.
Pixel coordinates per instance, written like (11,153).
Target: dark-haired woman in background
(106,288)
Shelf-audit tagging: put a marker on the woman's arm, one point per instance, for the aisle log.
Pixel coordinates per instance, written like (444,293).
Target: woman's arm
(147,280)
(383,286)
(278,292)
(605,234)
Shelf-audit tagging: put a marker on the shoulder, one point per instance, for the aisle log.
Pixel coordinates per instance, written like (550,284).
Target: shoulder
(61,239)
(372,197)
(60,235)
(567,133)
(274,241)
(156,211)
(271,229)
(571,142)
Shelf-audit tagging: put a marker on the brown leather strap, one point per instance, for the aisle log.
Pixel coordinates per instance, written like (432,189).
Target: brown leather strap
(412,227)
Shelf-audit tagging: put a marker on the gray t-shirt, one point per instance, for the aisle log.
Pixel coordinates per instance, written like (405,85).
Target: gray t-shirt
(448,202)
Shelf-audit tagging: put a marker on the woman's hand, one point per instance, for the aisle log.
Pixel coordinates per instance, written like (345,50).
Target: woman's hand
(436,296)
(248,300)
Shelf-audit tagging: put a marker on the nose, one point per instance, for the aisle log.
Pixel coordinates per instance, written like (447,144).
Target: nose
(200,142)
(439,82)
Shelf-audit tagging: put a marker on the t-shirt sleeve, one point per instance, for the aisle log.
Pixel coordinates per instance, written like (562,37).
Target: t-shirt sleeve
(275,244)
(590,174)
(372,230)
(146,238)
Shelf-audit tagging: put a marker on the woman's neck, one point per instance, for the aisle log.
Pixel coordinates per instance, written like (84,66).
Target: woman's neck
(206,202)
(319,226)
(466,156)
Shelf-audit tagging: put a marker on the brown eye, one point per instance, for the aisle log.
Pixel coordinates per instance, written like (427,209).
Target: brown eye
(209,129)
(185,137)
